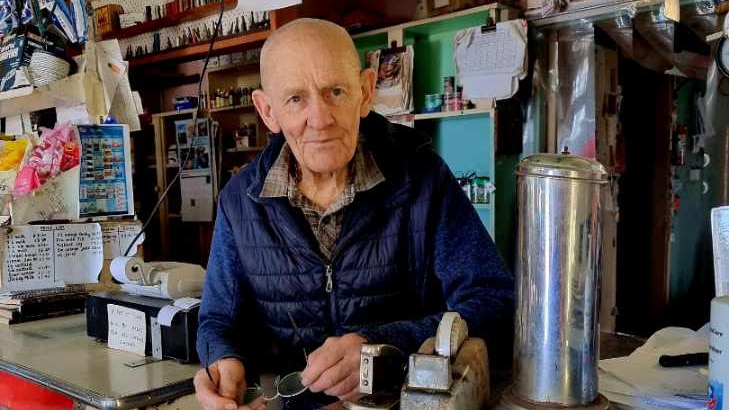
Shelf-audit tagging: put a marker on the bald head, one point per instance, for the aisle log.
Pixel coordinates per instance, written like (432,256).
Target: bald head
(316,38)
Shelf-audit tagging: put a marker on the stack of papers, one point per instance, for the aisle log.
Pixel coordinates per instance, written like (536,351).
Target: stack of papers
(490,62)
(639,382)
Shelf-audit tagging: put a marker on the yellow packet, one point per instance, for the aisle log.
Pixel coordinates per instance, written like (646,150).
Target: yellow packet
(12,153)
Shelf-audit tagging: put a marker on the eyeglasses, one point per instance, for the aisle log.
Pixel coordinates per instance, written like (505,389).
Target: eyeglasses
(291,384)
(288,386)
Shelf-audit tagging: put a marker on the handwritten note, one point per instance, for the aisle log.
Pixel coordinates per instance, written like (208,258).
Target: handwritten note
(720,239)
(42,256)
(127,329)
(118,236)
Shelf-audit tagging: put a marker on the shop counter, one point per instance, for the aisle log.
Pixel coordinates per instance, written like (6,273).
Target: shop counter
(53,362)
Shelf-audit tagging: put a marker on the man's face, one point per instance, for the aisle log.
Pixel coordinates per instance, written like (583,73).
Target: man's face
(316,97)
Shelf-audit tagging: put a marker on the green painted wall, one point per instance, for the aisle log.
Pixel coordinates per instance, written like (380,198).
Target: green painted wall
(467,143)
(690,226)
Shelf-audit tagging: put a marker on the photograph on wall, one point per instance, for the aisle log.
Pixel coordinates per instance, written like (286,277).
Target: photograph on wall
(393,90)
(199,159)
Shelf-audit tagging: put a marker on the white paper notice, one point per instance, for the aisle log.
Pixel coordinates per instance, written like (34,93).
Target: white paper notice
(127,329)
(166,314)
(118,236)
(77,114)
(42,256)
(187,303)
(197,198)
(720,240)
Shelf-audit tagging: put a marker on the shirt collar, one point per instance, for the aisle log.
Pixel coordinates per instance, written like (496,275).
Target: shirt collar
(280,182)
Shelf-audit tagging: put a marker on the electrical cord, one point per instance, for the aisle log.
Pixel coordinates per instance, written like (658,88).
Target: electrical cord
(191,139)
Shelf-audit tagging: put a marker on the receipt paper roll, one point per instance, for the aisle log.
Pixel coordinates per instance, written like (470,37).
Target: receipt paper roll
(127,269)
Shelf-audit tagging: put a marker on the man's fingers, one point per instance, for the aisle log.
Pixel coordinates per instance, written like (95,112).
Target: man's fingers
(322,359)
(207,394)
(346,386)
(331,377)
(232,379)
(256,404)
(353,395)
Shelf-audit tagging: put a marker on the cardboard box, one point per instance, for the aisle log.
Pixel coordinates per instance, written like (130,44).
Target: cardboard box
(107,19)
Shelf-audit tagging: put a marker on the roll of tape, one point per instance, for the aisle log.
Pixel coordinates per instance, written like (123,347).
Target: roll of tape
(719,354)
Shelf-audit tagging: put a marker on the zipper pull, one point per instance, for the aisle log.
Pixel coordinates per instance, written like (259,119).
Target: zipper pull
(330,282)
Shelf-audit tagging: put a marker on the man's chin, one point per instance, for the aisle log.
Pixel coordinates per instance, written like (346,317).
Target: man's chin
(327,167)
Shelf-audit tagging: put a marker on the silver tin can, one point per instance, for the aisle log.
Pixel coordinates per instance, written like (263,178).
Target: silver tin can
(557,273)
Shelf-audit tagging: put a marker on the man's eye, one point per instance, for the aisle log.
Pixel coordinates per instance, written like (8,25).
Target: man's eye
(337,92)
(294,99)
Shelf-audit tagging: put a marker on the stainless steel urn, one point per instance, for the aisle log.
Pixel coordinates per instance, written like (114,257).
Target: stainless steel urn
(557,275)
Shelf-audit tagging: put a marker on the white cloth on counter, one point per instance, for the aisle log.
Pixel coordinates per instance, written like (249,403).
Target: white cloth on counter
(638,381)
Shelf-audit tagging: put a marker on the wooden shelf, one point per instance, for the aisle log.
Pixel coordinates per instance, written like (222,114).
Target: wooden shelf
(433,25)
(249,149)
(222,45)
(68,91)
(175,113)
(196,13)
(453,114)
(199,50)
(594,9)
(236,68)
(248,107)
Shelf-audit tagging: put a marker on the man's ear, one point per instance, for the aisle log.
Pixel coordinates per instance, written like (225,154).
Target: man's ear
(367,79)
(260,100)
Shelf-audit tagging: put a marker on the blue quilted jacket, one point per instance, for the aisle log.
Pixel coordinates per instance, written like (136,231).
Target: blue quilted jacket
(410,248)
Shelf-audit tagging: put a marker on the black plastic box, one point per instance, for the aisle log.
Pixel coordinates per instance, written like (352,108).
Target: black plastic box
(178,340)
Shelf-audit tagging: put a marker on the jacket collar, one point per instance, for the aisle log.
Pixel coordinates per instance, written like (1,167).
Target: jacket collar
(387,144)
(390,145)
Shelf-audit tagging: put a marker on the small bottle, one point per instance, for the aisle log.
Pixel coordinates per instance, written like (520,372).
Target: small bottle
(252,135)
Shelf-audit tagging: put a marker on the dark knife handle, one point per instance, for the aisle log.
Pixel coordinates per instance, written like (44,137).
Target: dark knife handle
(680,360)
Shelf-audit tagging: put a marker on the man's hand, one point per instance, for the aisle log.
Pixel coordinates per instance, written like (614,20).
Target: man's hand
(334,367)
(223,392)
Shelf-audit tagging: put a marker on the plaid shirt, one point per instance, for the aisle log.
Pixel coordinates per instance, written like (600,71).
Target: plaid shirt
(326,224)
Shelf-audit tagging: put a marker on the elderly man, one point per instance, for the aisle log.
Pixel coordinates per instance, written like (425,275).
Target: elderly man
(346,229)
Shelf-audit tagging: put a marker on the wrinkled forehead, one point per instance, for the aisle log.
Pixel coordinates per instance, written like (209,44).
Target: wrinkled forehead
(302,63)
(306,48)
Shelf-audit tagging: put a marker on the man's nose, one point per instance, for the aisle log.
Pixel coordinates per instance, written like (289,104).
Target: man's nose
(320,114)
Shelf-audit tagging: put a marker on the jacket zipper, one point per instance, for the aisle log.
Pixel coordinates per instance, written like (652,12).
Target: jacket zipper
(330,282)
